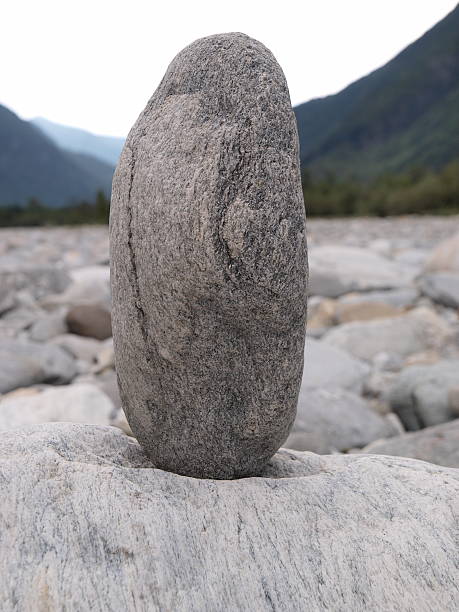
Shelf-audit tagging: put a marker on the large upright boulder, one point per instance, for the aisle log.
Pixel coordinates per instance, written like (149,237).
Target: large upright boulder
(209,262)
(87,523)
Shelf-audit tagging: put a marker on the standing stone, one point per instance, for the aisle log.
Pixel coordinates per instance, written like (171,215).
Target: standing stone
(209,263)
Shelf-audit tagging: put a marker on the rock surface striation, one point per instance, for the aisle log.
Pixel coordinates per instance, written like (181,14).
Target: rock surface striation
(209,262)
(88,523)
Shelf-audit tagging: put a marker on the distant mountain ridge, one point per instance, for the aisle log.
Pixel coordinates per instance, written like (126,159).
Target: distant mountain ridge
(106,148)
(32,166)
(402,115)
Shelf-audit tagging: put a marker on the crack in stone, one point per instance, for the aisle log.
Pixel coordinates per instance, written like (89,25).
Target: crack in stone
(135,284)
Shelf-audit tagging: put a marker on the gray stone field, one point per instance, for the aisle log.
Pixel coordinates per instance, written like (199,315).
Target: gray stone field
(86,520)
(382,348)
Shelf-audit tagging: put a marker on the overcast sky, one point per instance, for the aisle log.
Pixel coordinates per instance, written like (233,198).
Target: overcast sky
(93,64)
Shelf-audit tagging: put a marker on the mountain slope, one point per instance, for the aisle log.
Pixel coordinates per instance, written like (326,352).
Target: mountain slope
(106,148)
(403,114)
(32,166)
(100,171)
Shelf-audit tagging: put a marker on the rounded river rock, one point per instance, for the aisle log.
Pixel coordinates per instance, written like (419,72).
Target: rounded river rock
(209,263)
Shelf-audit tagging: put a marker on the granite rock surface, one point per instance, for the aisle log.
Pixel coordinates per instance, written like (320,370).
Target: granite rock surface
(439,444)
(88,523)
(209,262)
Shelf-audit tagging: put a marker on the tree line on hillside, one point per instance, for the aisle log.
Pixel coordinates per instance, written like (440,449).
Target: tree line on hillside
(35,213)
(417,191)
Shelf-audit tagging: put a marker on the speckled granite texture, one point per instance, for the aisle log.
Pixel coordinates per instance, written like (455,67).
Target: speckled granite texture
(209,262)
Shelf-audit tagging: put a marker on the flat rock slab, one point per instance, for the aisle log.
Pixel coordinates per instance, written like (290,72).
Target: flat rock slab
(346,312)
(79,403)
(399,298)
(89,285)
(330,420)
(88,523)
(327,366)
(209,262)
(80,347)
(38,279)
(336,270)
(439,444)
(26,363)
(419,330)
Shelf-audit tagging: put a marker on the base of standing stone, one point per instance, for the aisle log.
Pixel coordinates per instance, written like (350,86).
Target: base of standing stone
(88,523)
